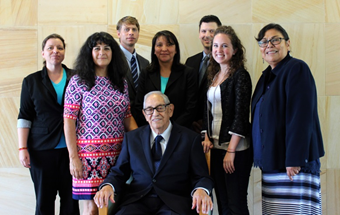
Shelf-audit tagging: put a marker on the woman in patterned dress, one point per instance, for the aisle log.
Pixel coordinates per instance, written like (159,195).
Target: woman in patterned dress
(96,114)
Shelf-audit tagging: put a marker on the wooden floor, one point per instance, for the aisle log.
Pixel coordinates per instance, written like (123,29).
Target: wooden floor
(17,193)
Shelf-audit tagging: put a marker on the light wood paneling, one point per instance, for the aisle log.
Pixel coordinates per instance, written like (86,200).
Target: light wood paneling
(332,10)
(331,131)
(9,143)
(332,50)
(228,11)
(18,58)
(333,191)
(18,12)
(120,8)
(73,12)
(302,11)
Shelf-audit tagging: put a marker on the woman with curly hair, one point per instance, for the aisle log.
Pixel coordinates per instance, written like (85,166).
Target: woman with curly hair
(226,122)
(96,114)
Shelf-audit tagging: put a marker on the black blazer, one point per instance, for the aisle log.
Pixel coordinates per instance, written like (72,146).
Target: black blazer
(289,122)
(181,90)
(235,96)
(38,104)
(182,168)
(195,62)
(143,63)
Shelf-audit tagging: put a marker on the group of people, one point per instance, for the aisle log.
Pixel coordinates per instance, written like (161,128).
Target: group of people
(84,132)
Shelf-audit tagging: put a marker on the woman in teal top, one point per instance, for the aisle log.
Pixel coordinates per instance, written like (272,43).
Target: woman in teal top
(42,146)
(168,75)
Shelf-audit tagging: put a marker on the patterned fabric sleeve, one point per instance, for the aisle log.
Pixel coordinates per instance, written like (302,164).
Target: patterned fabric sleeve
(126,92)
(73,98)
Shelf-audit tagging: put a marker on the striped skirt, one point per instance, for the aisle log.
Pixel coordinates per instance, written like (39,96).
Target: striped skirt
(282,196)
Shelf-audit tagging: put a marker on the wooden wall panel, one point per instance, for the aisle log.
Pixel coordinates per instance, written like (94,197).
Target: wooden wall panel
(303,11)
(332,10)
(18,12)
(332,53)
(18,58)
(229,12)
(72,12)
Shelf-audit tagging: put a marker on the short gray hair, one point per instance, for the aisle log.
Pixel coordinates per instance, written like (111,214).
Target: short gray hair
(165,97)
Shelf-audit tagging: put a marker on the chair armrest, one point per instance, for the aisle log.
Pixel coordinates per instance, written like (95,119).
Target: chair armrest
(103,211)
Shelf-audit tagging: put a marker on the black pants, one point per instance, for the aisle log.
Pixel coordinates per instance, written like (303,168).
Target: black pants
(146,206)
(51,174)
(231,189)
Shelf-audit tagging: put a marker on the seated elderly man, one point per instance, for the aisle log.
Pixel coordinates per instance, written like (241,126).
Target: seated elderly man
(166,160)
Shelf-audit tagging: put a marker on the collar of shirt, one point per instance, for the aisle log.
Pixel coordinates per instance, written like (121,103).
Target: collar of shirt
(165,135)
(204,54)
(128,54)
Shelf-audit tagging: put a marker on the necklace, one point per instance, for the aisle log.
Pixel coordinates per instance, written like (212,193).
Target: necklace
(224,77)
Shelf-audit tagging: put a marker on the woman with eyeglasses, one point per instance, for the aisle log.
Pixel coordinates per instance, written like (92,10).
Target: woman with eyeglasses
(168,75)
(286,131)
(226,122)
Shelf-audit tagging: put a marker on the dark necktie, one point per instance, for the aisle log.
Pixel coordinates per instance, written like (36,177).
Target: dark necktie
(203,69)
(157,151)
(134,71)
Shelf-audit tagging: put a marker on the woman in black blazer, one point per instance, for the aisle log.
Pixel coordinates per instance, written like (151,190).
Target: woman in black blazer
(226,122)
(42,146)
(168,75)
(286,130)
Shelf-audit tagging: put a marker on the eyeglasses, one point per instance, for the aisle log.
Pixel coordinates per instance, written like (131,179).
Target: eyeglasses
(275,41)
(159,108)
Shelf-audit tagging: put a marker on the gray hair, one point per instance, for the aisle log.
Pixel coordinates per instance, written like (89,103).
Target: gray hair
(165,98)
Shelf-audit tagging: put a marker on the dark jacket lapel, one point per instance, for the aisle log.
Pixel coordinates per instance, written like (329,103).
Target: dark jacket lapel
(171,146)
(47,83)
(145,138)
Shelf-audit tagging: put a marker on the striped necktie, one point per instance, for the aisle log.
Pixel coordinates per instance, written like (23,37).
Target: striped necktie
(134,71)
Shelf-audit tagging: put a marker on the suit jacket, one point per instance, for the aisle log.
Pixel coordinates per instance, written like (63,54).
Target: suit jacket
(195,62)
(289,122)
(38,104)
(143,63)
(182,168)
(181,90)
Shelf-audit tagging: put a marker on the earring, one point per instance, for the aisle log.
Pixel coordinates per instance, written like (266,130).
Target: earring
(262,60)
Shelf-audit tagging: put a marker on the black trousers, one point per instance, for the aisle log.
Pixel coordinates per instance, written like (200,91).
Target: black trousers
(50,174)
(231,189)
(146,206)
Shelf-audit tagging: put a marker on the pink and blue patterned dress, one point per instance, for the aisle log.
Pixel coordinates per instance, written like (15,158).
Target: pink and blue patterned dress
(99,113)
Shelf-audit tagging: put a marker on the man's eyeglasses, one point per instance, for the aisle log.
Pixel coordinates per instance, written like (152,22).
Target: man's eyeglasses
(159,108)
(275,41)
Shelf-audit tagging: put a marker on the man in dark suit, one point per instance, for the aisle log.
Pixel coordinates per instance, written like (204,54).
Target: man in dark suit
(170,174)
(199,63)
(128,34)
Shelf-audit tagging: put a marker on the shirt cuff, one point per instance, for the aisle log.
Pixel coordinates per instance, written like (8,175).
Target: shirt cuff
(101,186)
(207,191)
(24,123)
(232,133)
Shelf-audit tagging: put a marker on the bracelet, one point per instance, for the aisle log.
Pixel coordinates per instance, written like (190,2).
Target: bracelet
(230,151)
(22,148)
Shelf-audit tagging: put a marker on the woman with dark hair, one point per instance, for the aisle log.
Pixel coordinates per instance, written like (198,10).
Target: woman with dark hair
(226,122)
(286,131)
(96,114)
(42,146)
(168,75)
